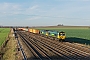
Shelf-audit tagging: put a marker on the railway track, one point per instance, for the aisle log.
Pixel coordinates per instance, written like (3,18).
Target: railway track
(36,50)
(77,52)
(40,46)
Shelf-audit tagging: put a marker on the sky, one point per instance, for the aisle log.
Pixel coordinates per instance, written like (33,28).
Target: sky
(44,12)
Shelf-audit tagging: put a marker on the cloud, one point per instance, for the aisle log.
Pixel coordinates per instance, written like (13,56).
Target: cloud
(63,11)
(73,9)
(34,7)
(80,0)
(9,8)
(31,9)
(72,0)
(34,18)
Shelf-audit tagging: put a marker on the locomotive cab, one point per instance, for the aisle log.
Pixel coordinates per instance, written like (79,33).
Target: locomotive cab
(61,35)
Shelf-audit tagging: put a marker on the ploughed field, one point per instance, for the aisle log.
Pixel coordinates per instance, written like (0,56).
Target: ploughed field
(3,34)
(41,47)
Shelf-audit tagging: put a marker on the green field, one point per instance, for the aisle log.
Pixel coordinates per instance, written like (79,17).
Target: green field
(78,35)
(3,34)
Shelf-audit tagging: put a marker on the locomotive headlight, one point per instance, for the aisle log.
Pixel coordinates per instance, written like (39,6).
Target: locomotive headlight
(60,33)
(42,32)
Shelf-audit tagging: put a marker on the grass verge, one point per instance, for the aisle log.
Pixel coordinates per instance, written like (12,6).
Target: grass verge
(10,49)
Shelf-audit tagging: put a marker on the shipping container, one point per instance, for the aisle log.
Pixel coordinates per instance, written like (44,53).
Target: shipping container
(30,30)
(21,29)
(25,29)
(35,31)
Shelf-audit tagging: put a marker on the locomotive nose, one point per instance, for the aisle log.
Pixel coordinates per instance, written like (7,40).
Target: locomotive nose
(62,37)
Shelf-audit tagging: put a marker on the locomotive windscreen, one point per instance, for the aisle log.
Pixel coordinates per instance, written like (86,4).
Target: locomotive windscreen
(62,33)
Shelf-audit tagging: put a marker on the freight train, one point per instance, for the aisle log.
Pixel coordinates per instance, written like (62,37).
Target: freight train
(51,33)
(55,34)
